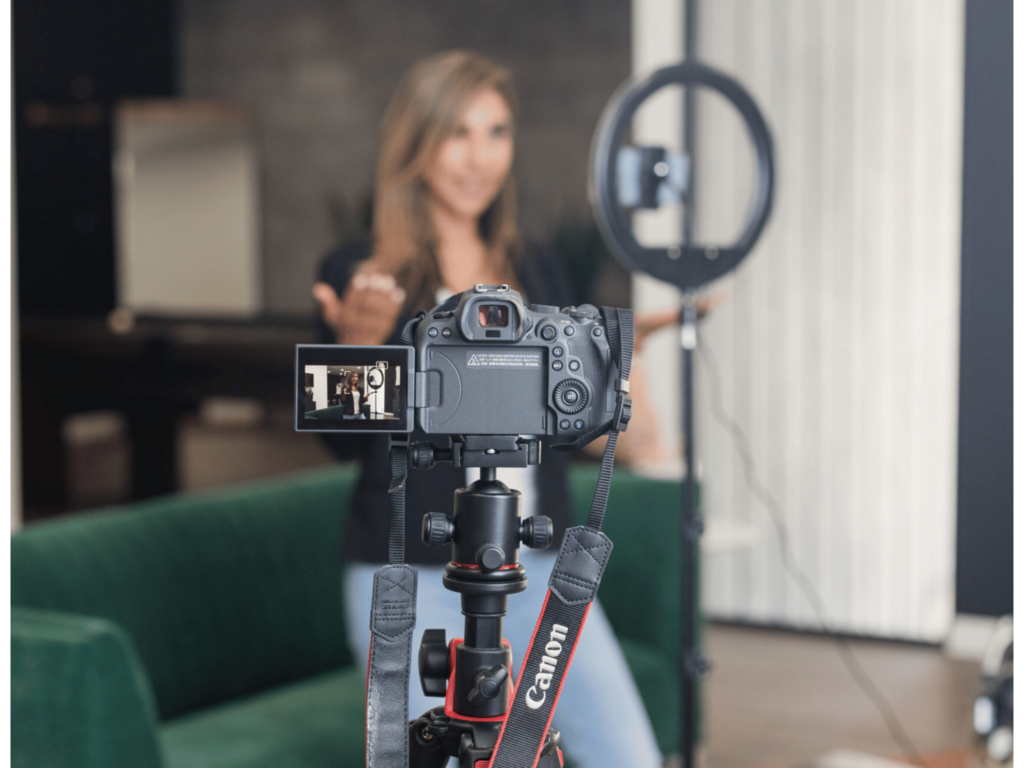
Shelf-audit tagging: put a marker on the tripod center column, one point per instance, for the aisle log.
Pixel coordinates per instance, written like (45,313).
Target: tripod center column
(485,570)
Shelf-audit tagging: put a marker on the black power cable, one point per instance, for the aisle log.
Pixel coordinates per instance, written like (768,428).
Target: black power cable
(810,592)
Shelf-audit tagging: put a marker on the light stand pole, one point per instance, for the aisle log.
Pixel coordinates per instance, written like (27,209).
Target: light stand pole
(693,663)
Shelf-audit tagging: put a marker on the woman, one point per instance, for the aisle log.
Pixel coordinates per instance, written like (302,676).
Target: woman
(352,397)
(444,221)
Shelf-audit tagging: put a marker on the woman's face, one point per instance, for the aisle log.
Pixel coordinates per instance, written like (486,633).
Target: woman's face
(473,163)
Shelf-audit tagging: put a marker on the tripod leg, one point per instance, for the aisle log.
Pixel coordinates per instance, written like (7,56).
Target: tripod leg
(426,750)
(551,755)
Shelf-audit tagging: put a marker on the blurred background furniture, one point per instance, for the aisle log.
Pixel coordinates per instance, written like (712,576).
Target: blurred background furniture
(207,629)
(152,371)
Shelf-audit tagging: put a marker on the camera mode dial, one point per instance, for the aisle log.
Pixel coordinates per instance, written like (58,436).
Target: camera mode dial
(570,396)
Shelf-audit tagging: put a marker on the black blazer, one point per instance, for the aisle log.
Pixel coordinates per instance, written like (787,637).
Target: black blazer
(544,280)
(348,402)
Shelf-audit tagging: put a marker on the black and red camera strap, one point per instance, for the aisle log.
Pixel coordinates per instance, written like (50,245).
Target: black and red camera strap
(392,620)
(572,588)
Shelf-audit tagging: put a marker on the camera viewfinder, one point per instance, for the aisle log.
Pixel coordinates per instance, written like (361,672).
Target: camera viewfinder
(493,315)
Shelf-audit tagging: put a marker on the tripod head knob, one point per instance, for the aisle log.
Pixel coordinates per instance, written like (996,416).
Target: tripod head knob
(537,532)
(426,455)
(437,529)
(488,684)
(434,663)
(490,558)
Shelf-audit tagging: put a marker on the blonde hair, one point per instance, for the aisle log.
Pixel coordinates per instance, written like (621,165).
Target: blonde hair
(422,115)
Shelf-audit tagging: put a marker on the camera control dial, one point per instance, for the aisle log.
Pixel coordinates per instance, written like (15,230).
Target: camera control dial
(570,396)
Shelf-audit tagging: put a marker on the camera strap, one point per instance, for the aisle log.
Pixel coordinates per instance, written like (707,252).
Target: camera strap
(392,619)
(572,587)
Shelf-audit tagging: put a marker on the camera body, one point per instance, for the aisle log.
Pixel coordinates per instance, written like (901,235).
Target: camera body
(494,366)
(483,363)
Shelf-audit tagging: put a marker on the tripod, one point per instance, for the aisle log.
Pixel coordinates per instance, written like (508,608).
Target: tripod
(474,672)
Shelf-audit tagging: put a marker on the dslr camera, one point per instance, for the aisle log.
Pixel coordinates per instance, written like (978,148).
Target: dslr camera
(482,363)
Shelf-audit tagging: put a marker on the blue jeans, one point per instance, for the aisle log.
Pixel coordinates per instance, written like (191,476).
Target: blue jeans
(600,714)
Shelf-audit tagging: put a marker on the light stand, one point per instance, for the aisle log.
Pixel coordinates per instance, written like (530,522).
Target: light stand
(626,178)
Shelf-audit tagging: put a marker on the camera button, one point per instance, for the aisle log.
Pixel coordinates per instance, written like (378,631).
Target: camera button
(557,351)
(548,333)
(570,330)
(570,396)
(563,424)
(432,332)
(579,424)
(447,332)
(557,365)
(598,332)
(574,365)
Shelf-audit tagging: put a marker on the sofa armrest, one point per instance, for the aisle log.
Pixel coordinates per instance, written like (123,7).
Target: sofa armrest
(79,695)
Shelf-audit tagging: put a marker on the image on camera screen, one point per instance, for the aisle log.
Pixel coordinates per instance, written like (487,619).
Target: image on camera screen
(370,392)
(353,388)
(493,316)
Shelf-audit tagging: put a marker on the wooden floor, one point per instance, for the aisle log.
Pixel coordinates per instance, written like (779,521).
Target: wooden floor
(782,699)
(774,698)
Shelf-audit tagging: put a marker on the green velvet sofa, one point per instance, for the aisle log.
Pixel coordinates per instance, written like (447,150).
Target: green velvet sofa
(205,630)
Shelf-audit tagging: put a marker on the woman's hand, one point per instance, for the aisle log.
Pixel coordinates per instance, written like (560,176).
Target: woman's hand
(368,311)
(646,323)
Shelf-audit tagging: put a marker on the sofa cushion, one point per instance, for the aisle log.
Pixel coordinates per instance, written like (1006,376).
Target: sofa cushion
(225,593)
(316,723)
(658,681)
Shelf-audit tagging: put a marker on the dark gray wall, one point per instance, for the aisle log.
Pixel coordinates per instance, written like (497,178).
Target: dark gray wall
(318,74)
(984,581)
